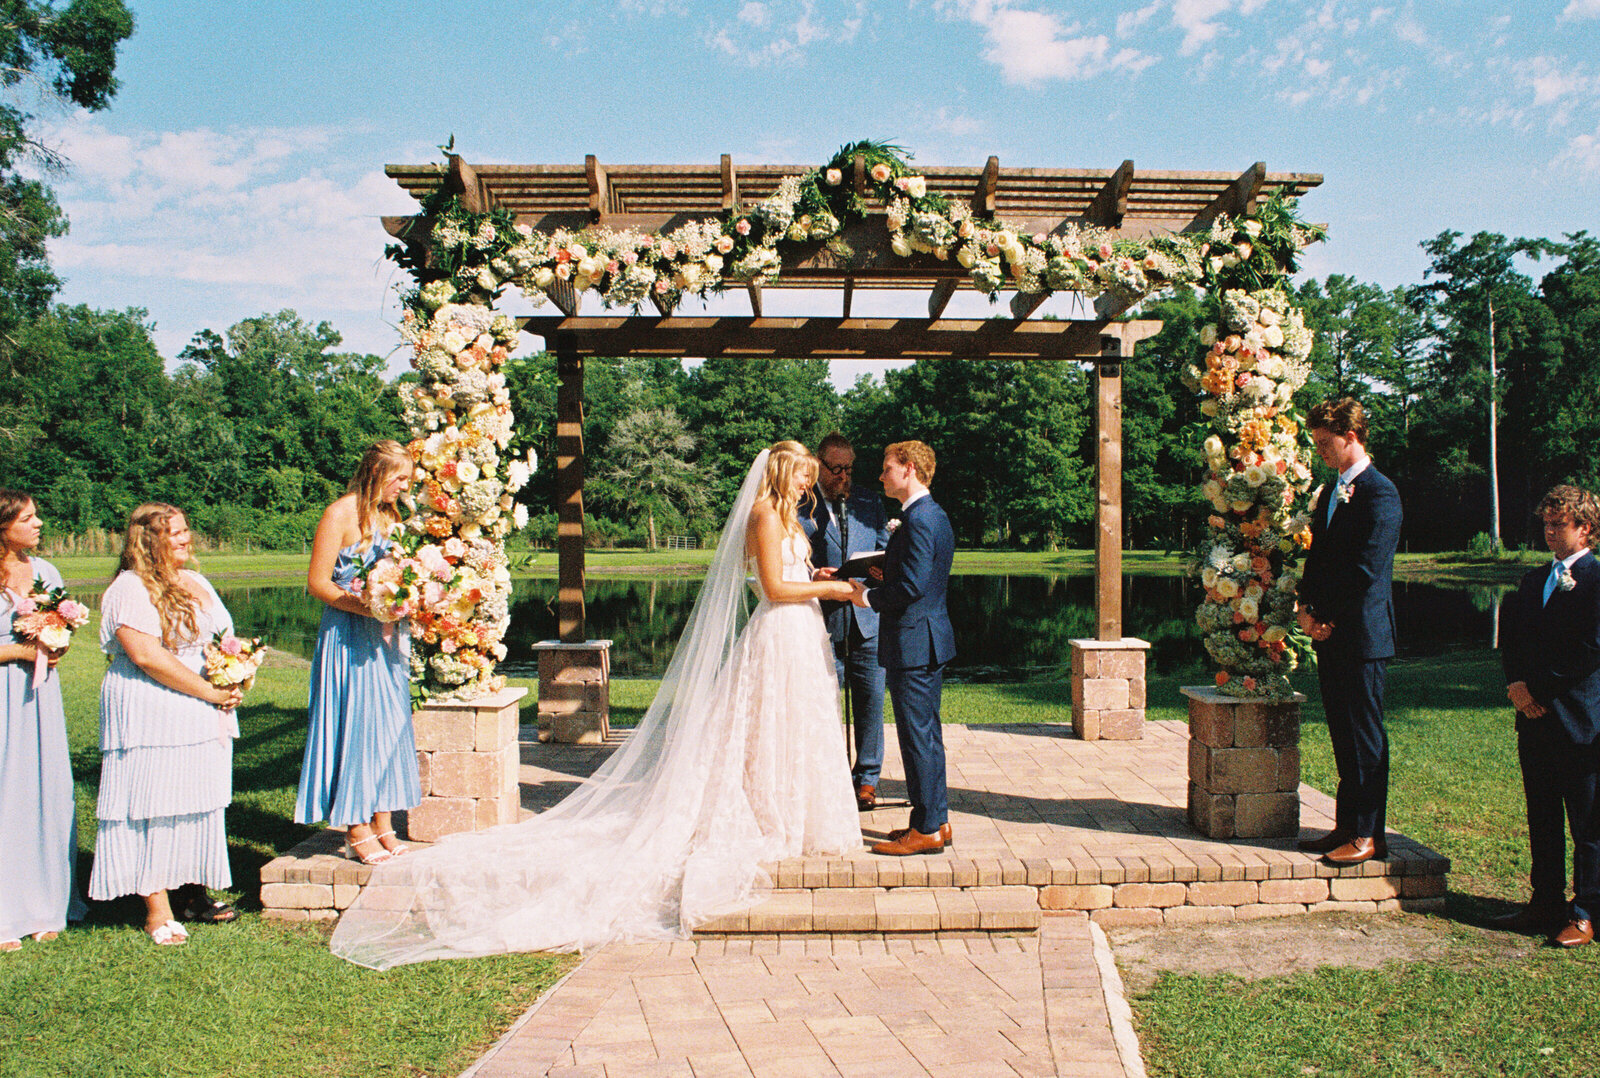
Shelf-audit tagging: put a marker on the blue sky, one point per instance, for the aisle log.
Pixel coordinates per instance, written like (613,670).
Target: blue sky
(240,169)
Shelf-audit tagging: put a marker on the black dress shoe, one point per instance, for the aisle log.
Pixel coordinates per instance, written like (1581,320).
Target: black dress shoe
(1331,841)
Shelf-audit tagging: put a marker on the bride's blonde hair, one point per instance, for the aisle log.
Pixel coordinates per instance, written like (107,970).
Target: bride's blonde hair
(785,462)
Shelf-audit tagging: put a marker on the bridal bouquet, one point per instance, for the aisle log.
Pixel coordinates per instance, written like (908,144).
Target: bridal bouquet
(233,660)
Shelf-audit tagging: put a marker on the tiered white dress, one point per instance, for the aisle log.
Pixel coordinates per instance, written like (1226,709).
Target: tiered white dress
(748,768)
(37,816)
(166,765)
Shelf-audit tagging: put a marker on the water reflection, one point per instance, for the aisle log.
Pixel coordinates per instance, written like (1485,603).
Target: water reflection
(1008,628)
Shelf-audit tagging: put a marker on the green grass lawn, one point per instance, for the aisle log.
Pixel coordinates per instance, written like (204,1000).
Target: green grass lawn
(256,998)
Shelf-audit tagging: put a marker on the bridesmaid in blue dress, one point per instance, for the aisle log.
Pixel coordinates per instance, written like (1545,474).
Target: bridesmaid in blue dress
(37,817)
(361,759)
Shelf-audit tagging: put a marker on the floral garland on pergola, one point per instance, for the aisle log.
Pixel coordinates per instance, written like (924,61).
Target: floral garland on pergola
(461,420)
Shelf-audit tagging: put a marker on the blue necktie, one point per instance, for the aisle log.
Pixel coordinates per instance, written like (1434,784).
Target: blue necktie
(1557,571)
(1334,499)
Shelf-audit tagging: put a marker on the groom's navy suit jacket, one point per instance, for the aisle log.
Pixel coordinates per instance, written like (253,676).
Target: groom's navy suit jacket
(1348,576)
(915,630)
(1555,648)
(868,526)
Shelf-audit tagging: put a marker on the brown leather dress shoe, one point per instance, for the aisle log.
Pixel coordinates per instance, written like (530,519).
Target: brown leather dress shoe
(1576,934)
(866,797)
(1327,843)
(944,832)
(911,842)
(1353,852)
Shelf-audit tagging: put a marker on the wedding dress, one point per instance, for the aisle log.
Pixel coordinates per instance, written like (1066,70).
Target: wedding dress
(740,760)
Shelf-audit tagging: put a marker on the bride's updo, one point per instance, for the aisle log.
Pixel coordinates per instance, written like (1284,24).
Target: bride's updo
(786,462)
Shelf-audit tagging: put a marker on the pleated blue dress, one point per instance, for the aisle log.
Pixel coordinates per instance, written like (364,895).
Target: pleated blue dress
(361,753)
(166,758)
(38,826)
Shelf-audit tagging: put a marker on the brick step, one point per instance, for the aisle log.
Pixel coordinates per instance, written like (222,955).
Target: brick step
(1008,910)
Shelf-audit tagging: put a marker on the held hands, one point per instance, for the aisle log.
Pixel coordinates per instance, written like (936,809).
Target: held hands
(1316,630)
(825,573)
(858,591)
(1521,699)
(226,699)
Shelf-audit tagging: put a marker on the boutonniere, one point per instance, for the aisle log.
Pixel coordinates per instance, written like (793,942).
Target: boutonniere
(893,525)
(1346,492)
(1566,581)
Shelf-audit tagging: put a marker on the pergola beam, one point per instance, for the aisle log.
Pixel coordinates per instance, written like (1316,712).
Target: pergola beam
(1110,205)
(1239,198)
(835,338)
(599,189)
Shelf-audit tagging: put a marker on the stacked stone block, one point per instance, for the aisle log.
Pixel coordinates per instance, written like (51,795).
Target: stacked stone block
(1244,765)
(1108,689)
(467,758)
(574,691)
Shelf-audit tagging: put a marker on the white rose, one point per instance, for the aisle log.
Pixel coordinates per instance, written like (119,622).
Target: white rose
(1249,608)
(966,258)
(1272,337)
(899,244)
(55,637)
(1208,577)
(519,516)
(544,277)
(467,471)
(1269,317)
(1226,588)
(1241,563)
(714,264)
(833,177)
(916,186)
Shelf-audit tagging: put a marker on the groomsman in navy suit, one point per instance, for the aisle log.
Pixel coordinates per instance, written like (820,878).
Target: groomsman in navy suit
(1550,647)
(915,641)
(1347,608)
(841,522)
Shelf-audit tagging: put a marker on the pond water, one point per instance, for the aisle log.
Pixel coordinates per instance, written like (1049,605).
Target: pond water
(1008,628)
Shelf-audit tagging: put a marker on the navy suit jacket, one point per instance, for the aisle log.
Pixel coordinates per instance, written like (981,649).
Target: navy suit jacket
(869,530)
(916,573)
(1555,647)
(1349,571)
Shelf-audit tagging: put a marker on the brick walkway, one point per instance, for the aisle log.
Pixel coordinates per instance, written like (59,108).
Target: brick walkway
(1047,1004)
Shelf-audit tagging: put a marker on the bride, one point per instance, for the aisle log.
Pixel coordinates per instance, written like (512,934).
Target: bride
(739,760)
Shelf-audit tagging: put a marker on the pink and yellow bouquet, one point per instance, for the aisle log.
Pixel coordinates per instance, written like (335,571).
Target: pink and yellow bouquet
(392,586)
(48,616)
(233,660)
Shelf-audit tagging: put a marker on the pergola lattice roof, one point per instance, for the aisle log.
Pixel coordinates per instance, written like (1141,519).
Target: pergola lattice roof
(650,198)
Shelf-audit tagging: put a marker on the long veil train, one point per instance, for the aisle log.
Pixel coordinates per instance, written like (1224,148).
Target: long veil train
(664,835)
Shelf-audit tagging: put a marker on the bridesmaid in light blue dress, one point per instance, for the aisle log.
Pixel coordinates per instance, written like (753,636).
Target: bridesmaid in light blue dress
(166,733)
(38,895)
(361,759)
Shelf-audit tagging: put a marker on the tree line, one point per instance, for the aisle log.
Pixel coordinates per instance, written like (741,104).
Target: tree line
(254,429)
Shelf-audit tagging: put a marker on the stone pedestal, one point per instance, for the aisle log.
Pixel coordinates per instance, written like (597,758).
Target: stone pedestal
(467,756)
(1108,689)
(1244,765)
(574,691)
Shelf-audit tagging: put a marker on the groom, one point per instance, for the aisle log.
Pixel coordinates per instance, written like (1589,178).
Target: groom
(915,641)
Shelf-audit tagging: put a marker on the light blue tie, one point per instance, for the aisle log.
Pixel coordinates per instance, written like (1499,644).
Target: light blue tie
(1557,571)
(1333,500)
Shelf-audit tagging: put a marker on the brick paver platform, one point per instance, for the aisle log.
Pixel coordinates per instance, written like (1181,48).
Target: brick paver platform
(1042,822)
(769,1007)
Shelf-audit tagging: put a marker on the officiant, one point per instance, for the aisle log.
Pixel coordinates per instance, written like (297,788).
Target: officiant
(840,522)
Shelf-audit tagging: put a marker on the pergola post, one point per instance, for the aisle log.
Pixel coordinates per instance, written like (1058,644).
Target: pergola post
(1108,683)
(574,671)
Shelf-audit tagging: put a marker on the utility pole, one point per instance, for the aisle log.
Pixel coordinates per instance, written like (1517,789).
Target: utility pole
(1494,455)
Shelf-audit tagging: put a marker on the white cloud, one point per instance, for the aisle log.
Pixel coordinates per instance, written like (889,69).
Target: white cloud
(1582,152)
(1129,21)
(248,214)
(1548,81)
(957,124)
(767,32)
(1581,9)
(1198,21)
(1031,47)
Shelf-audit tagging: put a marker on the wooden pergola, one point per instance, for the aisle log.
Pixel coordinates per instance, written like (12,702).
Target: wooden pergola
(650,198)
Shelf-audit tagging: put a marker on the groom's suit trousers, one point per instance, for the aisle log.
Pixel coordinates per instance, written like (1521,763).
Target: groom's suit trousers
(916,692)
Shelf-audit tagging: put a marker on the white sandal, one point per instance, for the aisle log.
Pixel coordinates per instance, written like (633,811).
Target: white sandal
(170,934)
(393,851)
(352,850)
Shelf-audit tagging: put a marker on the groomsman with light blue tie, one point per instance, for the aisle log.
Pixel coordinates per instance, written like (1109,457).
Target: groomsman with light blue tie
(1347,608)
(1550,648)
(915,641)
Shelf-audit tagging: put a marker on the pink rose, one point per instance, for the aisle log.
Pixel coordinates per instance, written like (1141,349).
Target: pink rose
(742,226)
(881,172)
(724,244)
(630,257)
(1105,251)
(231,645)
(24,605)
(669,249)
(72,610)
(662,286)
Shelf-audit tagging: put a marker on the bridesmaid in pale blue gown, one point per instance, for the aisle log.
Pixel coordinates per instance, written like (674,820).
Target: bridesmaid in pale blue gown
(37,816)
(361,759)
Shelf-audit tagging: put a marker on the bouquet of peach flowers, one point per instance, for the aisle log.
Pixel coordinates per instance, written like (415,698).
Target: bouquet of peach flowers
(49,617)
(233,660)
